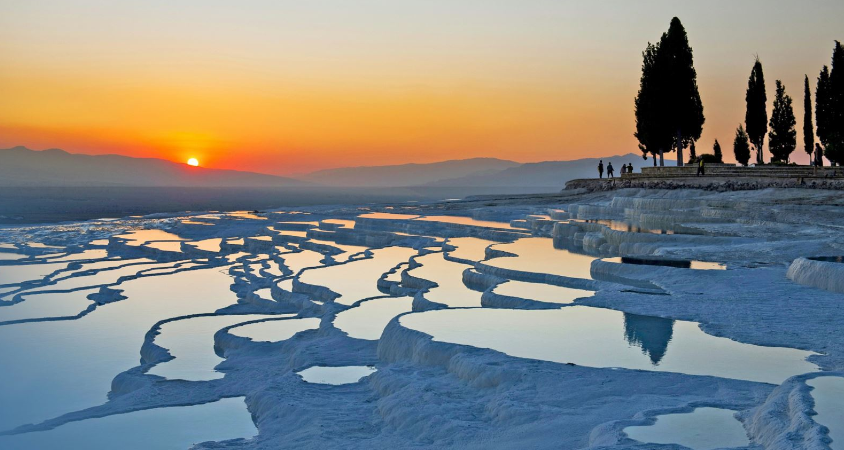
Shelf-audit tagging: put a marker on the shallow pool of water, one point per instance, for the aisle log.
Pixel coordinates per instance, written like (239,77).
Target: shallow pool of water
(393,216)
(541,292)
(469,248)
(191,341)
(539,255)
(336,375)
(828,393)
(77,359)
(606,338)
(42,305)
(466,221)
(140,237)
(208,245)
(175,428)
(368,320)
(357,280)
(448,275)
(274,330)
(701,429)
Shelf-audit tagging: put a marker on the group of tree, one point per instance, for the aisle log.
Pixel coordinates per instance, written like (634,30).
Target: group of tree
(782,135)
(669,113)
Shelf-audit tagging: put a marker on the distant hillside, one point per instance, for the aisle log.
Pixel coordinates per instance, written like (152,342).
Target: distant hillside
(21,166)
(548,173)
(408,174)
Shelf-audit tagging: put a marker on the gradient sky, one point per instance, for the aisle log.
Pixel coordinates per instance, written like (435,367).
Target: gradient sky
(287,87)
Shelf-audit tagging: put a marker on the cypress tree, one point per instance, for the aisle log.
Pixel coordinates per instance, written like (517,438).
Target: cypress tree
(782,139)
(822,106)
(836,123)
(716,149)
(756,116)
(808,129)
(829,107)
(680,99)
(649,125)
(741,147)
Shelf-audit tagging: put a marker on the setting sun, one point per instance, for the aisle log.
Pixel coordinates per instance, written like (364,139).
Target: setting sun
(193,162)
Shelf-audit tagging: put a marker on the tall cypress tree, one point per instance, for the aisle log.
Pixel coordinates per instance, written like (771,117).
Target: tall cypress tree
(756,116)
(741,147)
(808,129)
(836,122)
(823,101)
(716,150)
(829,107)
(650,129)
(680,99)
(782,139)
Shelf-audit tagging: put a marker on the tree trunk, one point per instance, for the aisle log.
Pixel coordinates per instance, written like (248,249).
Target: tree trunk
(679,149)
(661,160)
(759,156)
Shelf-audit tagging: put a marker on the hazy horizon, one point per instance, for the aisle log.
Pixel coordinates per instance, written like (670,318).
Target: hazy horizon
(288,88)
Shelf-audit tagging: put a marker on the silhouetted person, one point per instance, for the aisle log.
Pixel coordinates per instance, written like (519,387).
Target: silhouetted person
(818,155)
(700,168)
(629,167)
(623,169)
(601,169)
(609,170)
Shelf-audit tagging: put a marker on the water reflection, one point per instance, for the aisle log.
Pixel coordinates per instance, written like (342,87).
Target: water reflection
(650,333)
(702,429)
(161,428)
(336,375)
(828,393)
(595,337)
(368,320)
(538,255)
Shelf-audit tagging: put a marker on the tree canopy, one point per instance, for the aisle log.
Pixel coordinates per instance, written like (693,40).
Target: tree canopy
(756,115)
(716,150)
(741,146)
(829,106)
(808,129)
(783,137)
(669,112)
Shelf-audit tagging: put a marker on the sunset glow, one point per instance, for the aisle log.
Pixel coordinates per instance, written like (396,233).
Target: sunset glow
(291,87)
(193,162)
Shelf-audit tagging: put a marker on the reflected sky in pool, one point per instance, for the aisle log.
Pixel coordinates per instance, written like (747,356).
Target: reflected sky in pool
(701,429)
(72,374)
(601,338)
(539,255)
(173,428)
(335,375)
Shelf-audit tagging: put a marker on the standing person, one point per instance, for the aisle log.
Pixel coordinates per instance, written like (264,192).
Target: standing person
(623,169)
(629,167)
(609,170)
(601,169)
(700,168)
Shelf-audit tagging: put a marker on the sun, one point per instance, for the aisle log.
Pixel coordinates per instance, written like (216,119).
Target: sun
(193,162)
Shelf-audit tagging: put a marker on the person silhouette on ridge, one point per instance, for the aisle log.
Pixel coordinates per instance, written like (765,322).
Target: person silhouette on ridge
(601,169)
(609,170)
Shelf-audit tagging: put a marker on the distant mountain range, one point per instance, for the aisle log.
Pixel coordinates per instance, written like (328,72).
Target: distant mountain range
(409,174)
(20,166)
(542,174)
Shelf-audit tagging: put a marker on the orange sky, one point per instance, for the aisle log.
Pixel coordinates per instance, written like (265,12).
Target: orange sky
(289,87)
